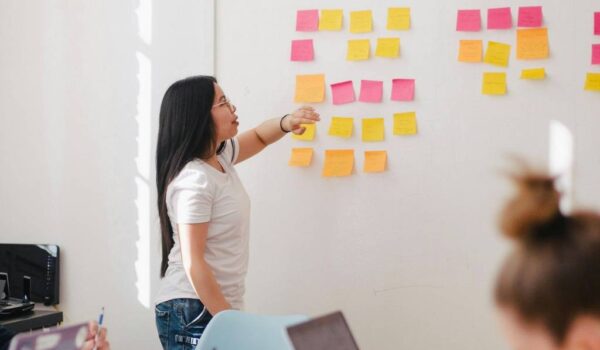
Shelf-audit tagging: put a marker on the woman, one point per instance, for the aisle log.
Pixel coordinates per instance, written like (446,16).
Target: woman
(548,291)
(204,210)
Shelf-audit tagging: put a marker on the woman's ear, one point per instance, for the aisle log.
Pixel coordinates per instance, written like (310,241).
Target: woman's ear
(584,334)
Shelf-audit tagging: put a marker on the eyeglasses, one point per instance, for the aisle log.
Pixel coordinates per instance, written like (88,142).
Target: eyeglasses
(227,103)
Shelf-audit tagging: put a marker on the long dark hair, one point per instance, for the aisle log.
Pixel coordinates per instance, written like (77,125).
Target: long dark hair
(186,131)
(553,274)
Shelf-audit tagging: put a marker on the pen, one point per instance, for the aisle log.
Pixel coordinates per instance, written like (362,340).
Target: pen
(100,320)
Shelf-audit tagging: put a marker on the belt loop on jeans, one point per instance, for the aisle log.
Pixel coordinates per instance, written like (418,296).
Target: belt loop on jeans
(186,339)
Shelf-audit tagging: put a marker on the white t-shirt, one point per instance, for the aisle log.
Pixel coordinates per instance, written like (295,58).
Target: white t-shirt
(201,193)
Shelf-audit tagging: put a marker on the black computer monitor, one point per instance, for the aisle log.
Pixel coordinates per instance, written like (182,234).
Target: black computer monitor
(38,261)
(329,332)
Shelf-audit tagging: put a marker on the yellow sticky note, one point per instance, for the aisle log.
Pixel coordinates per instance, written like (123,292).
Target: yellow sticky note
(533,74)
(309,133)
(373,129)
(301,157)
(470,51)
(341,126)
(532,43)
(398,18)
(497,54)
(338,162)
(388,47)
(592,82)
(310,88)
(494,84)
(375,161)
(331,20)
(405,123)
(358,50)
(361,21)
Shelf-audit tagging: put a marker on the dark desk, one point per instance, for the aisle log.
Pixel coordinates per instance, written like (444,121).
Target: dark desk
(35,319)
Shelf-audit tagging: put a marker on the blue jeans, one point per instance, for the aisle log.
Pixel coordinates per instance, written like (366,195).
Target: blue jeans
(180,323)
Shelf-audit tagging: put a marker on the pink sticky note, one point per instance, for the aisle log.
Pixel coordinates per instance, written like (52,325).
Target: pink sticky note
(343,92)
(530,16)
(596,23)
(403,89)
(596,54)
(307,20)
(371,91)
(499,18)
(468,21)
(302,50)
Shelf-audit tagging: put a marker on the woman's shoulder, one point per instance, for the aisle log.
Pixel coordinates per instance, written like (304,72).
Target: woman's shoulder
(194,175)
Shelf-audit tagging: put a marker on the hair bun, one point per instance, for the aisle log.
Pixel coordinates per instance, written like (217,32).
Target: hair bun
(530,213)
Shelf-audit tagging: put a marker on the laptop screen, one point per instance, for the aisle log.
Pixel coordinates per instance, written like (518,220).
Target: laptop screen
(329,332)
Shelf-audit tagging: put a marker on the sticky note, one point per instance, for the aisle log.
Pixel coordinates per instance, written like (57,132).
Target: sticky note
(530,16)
(338,162)
(331,20)
(497,54)
(343,92)
(398,18)
(358,50)
(307,20)
(405,123)
(388,47)
(533,74)
(592,82)
(371,91)
(301,157)
(468,21)
(499,18)
(596,54)
(373,129)
(403,89)
(470,51)
(341,127)
(375,161)
(532,43)
(361,21)
(310,88)
(494,84)
(302,50)
(309,133)
(596,23)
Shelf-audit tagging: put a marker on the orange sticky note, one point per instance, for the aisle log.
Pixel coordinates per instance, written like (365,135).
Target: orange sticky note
(405,123)
(532,43)
(338,162)
(301,157)
(398,18)
(470,51)
(375,161)
(310,88)
(373,129)
(358,50)
(497,54)
(361,21)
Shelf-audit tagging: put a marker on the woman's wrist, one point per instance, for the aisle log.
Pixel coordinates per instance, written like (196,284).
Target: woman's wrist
(281,124)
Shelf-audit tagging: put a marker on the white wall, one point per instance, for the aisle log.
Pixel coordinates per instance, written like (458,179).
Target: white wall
(409,255)
(81,84)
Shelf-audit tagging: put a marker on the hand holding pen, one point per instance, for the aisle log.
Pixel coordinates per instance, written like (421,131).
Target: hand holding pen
(96,339)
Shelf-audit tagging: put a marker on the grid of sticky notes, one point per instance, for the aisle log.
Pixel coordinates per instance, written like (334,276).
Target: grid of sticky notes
(313,88)
(592,79)
(531,44)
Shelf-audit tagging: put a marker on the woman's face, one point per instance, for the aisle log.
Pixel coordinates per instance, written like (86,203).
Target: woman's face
(224,117)
(522,335)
